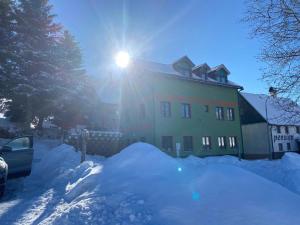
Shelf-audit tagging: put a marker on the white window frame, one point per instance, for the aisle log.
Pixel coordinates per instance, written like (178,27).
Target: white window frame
(222,142)
(186,110)
(219,113)
(232,140)
(206,143)
(230,114)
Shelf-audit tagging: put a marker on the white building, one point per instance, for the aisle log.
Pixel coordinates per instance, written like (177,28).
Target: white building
(268,129)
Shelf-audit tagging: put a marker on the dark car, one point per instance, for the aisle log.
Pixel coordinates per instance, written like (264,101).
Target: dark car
(16,159)
(3,175)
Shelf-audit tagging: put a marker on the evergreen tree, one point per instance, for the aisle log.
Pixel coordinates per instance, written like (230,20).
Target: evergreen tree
(7,46)
(48,79)
(37,38)
(75,103)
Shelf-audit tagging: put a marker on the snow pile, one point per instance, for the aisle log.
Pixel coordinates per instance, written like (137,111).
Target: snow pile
(291,166)
(285,171)
(142,185)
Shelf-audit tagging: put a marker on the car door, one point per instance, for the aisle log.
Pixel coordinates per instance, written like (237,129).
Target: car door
(18,155)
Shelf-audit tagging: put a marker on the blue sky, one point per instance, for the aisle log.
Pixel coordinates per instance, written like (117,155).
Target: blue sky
(164,30)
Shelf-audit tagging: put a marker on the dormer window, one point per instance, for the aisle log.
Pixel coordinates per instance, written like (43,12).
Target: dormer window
(184,66)
(222,79)
(219,73)
(187,73)
(184,72)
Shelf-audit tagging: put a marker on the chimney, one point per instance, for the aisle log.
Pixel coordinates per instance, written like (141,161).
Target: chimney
(273,92)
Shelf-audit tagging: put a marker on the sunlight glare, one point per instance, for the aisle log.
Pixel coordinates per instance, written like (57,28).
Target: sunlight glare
(122,59)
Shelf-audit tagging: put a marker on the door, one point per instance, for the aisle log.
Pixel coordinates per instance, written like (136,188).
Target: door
(18,155)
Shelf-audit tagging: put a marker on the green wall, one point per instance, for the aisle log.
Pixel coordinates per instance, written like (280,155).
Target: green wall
(151,89)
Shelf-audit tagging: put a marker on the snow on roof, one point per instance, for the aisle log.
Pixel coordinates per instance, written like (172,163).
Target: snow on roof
(201,65)
(170,70)
(108,96)
(277,112)
(222,66)
(157,67)
(186,59)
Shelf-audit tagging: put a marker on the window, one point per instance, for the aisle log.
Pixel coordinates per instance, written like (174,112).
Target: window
(298,130)
(280,147)
(286,128)
(185,110)
(220,113)
(222,79)
(186,72)
(278,129)
(167,143)
(288,146)
(206,109)
(165,108)
(19,144)
(221,142)
(206,142)
(230,113)
(232,142)
(188,143)
(142,111)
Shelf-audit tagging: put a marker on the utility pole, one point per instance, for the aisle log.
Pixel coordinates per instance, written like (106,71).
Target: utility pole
(268,130)
(273,94)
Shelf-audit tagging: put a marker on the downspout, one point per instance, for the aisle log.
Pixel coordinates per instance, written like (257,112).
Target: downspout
(268,129)
(272,146)
(241,131)
(154,115)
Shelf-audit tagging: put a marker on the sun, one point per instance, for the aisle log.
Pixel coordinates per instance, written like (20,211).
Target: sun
(122,59)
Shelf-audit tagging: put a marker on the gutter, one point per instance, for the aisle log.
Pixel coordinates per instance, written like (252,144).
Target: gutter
(241,130)
(198,80)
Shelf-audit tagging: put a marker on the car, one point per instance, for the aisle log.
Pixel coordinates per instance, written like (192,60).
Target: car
(16,159)
(3,175)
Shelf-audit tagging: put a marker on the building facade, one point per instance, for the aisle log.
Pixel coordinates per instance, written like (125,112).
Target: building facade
(268,130)
(181,108)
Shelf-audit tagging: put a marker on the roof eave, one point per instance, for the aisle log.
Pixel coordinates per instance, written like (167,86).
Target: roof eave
(199,80)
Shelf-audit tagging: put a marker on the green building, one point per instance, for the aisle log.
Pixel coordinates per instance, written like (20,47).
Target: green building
(181,108)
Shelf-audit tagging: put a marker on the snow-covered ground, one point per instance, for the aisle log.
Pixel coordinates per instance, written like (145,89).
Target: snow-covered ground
(142,185)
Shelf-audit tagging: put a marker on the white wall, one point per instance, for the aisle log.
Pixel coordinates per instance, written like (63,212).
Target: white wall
(285,138)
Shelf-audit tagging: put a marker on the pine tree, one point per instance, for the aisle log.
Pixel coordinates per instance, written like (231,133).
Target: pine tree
(50,80)
(7,46)
(37,38)
(76,102)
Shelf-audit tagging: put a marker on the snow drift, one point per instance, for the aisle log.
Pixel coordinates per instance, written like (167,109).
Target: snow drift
(142,185)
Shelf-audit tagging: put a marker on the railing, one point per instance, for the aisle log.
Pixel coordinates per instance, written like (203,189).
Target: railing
(105,143)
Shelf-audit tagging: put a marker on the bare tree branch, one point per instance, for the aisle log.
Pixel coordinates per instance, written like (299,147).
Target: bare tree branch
(277,24)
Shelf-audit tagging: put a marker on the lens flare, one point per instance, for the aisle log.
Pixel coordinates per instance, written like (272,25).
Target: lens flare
(196,196)
(122,59)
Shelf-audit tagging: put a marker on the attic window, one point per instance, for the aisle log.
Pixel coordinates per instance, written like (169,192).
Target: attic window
(184,70)
(184,66)
(222,79)
(186,73)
